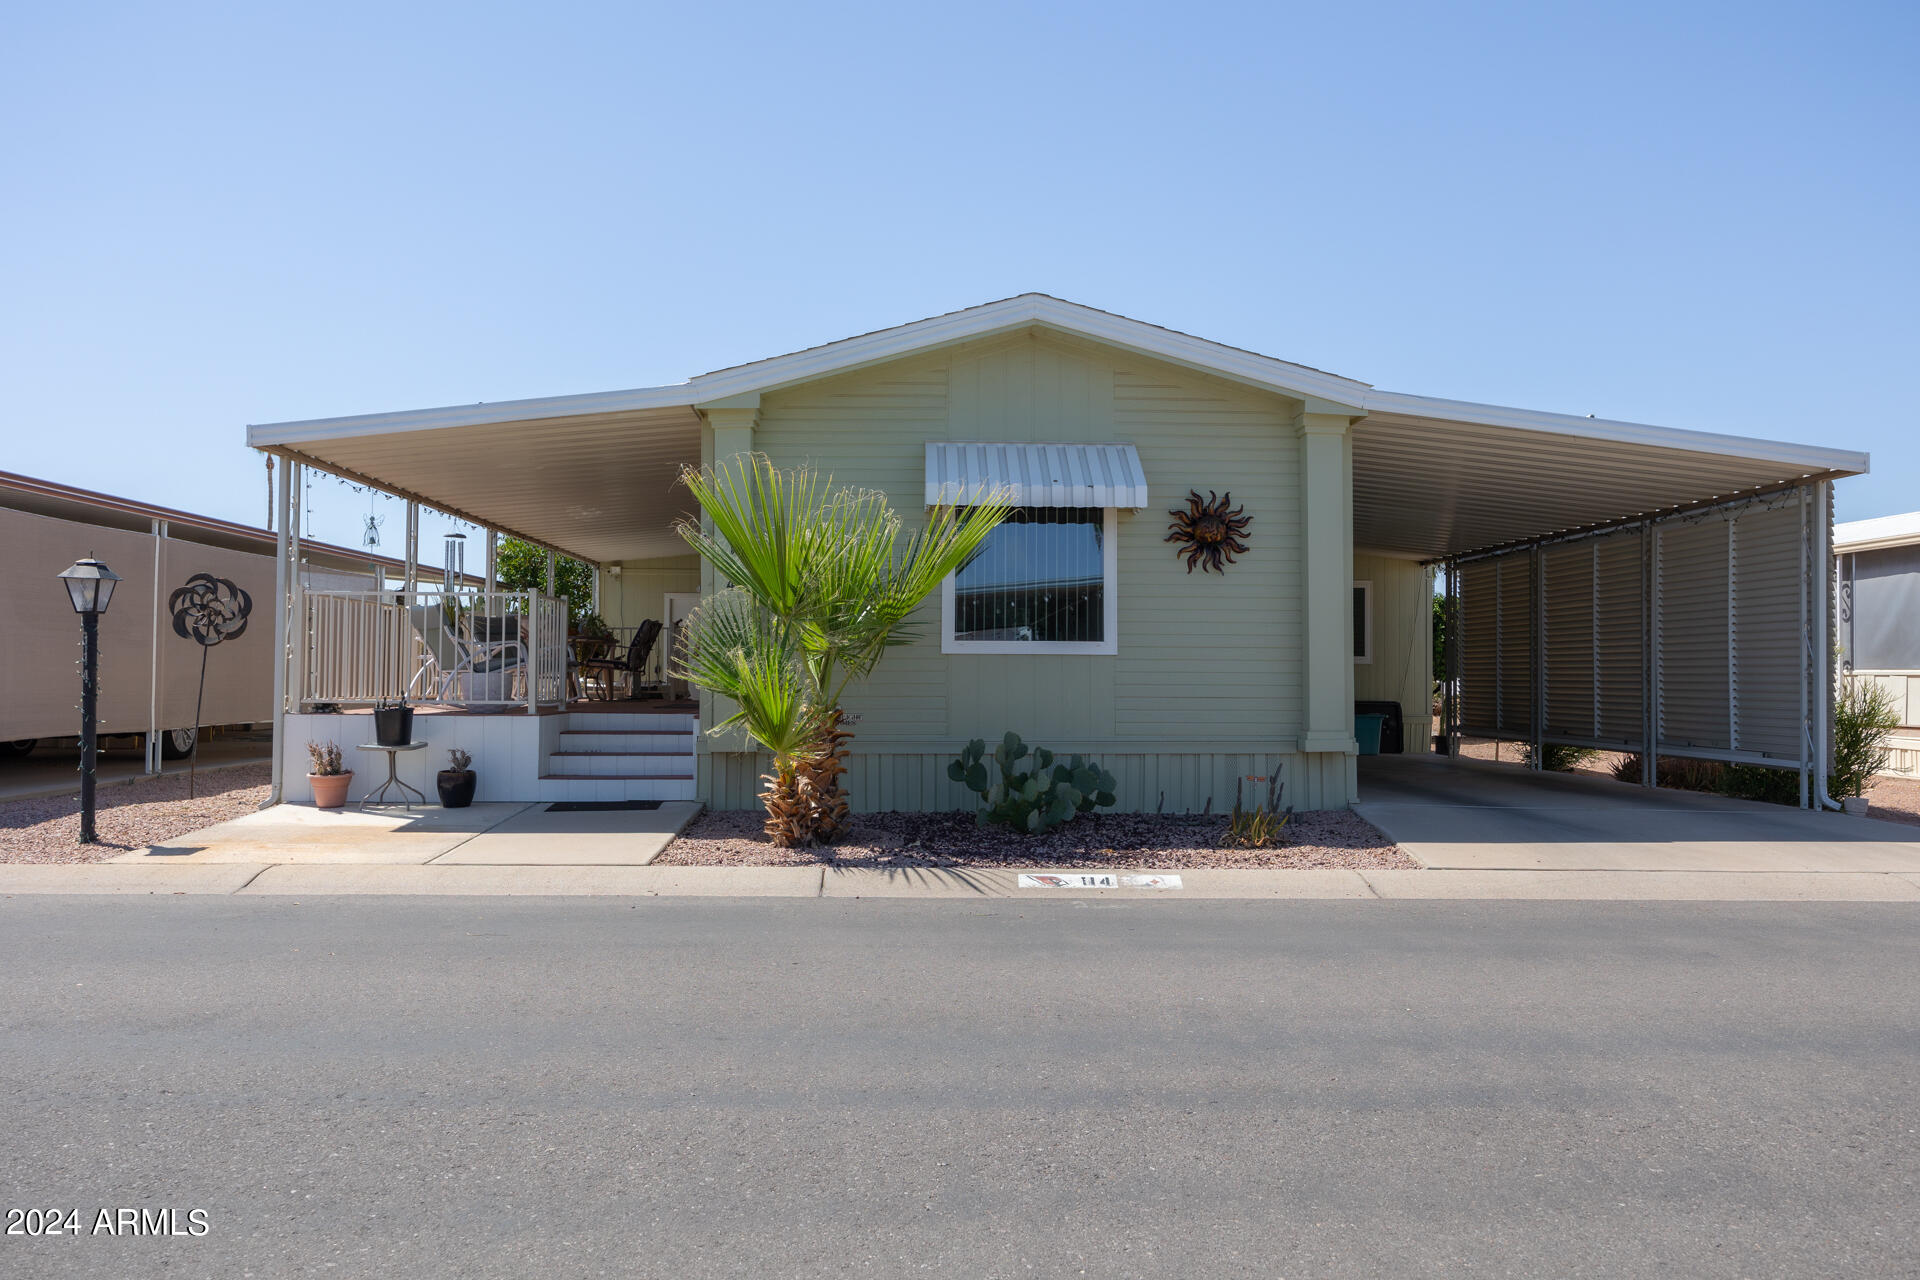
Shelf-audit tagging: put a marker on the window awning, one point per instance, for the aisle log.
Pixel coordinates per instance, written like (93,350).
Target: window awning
(1036,475)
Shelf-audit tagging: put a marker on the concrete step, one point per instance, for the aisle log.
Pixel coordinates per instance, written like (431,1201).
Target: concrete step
(632,721)
(620,764)
(642,741)
(603,789)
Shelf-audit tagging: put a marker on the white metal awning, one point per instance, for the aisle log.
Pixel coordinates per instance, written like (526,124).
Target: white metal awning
(1036,475)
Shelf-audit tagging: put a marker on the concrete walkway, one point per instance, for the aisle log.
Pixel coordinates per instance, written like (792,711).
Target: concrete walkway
(1474,814)
(485,834)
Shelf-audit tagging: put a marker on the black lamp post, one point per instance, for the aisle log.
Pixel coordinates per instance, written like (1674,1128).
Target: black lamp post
(90,587)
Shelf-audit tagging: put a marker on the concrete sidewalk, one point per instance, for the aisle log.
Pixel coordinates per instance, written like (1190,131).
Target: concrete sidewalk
(440,878)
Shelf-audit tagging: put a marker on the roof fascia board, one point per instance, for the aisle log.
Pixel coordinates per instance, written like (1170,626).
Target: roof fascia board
(1813,458)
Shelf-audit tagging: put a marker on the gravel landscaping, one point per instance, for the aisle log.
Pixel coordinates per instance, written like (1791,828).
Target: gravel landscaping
(1895,800)
(1323,838)
(129,815)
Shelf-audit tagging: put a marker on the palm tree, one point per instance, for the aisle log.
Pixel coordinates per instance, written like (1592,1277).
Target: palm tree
(823,583)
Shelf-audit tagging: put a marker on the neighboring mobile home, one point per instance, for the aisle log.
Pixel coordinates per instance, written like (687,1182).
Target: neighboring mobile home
(1083,628)
(149,675)
(1877,567)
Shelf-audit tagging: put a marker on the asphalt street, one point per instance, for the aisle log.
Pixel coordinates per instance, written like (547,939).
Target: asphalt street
(690,1088)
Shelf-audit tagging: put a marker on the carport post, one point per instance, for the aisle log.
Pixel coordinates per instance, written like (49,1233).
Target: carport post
(1537,566)
(1806,718)
(154,753)
(282,586)
(1449,651)
(1650,663)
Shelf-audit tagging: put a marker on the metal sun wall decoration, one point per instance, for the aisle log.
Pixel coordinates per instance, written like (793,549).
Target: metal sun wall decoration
(1209,530)
(208,610)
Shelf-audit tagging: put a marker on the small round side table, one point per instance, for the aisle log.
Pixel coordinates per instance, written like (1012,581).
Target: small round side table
(393,774)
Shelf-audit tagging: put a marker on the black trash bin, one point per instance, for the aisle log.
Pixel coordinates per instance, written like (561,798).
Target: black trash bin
(1393,732)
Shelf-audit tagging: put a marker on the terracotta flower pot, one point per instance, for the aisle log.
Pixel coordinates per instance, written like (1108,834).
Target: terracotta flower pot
(330,789)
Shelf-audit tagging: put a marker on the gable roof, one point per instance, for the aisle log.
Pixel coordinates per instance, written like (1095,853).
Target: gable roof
(1028,309)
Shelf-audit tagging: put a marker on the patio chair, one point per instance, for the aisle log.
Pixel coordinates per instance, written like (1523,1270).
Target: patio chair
(633,666)
(480,669)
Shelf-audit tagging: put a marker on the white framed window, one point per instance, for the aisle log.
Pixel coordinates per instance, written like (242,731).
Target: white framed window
(1045,581)
(1362,623)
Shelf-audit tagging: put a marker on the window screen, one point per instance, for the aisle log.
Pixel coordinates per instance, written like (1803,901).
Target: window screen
(1362,621)
(1039,578)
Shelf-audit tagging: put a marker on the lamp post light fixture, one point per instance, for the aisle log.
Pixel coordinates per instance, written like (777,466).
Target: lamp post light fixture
(90,587)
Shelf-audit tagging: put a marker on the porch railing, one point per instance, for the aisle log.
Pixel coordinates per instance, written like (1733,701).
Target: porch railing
(494,650)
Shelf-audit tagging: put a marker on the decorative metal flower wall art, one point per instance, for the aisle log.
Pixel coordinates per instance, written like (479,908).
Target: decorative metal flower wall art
(208,610)
(1209,530)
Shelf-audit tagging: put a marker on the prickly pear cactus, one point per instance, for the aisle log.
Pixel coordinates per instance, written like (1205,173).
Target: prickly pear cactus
(1033,793)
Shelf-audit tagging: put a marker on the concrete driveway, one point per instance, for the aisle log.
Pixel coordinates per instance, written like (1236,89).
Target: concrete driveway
(1475,814)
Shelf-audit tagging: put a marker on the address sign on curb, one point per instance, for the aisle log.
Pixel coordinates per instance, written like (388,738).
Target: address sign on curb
(1094,880)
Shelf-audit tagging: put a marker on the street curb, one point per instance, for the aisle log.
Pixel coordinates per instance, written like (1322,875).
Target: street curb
(468,879)
(117,877)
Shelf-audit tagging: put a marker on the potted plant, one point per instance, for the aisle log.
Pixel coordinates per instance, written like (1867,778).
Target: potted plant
(393,723)
(457,783)
(330,776)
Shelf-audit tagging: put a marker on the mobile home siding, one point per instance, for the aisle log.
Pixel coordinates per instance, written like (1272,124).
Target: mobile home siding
(1206,683)
(1402,666)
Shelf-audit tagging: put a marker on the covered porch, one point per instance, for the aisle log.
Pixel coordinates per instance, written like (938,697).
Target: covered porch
(546,712)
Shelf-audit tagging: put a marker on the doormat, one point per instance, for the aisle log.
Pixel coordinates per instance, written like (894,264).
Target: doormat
(601,806)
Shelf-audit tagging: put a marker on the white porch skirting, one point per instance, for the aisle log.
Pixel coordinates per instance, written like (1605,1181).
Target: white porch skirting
(507,751)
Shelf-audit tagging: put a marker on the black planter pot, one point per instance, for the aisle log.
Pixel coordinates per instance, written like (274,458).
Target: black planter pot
(456,787)
(393,726)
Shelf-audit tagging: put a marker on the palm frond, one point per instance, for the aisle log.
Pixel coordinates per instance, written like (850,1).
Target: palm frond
(737,649)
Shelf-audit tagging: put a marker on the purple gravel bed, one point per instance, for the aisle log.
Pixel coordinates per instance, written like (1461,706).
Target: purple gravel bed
(1322,838)
(129,815)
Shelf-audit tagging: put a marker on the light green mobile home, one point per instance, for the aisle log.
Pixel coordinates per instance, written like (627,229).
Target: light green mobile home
(1082,626)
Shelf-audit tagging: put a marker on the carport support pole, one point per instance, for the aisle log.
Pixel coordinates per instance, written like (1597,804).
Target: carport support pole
(1806,720)
(552,572)
(153,672)
(1455,658)
(1537,565)
(282,588)
(413,545)
(493,559)
(1650,665)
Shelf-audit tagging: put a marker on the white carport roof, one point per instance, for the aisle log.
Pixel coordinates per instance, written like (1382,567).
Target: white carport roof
(593,475)
(1878,533)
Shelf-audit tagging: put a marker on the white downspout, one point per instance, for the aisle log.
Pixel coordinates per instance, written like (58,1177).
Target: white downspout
(1822,608)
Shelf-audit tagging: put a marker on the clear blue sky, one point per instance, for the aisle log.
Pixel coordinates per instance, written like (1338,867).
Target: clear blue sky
(1696,215)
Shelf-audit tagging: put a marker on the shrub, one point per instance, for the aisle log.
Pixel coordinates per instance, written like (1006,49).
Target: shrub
(1260,826)
(1034,800)
(1557,756)
(1755,782)
(1863,718)
(1675,771)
